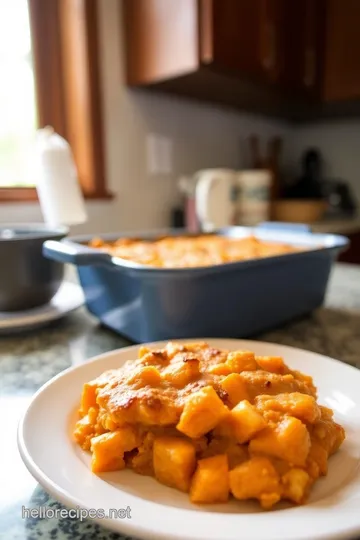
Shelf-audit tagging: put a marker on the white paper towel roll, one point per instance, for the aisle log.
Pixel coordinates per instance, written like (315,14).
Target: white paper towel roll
(58,187)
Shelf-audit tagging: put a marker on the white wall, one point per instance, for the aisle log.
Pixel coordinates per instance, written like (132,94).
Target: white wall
(202,137)
(339,143)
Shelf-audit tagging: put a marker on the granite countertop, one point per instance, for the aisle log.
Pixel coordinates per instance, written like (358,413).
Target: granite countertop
(28,361)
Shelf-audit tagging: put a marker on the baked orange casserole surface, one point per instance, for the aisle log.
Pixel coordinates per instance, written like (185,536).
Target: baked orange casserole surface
(184,252)
(212,423)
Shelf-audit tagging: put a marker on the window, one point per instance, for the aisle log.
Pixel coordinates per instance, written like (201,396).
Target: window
(49,69)
(17,94)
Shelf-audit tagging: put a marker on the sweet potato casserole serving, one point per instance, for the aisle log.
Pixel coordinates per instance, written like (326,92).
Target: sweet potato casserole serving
(185,252)
(213,423)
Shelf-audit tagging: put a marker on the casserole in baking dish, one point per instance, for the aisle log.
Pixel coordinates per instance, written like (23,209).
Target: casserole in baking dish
(192,251)
(233,299)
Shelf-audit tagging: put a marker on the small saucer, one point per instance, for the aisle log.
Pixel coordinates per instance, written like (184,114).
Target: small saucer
(68,298)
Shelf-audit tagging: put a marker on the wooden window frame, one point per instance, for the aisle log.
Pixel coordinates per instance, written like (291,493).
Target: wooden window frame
(68,93)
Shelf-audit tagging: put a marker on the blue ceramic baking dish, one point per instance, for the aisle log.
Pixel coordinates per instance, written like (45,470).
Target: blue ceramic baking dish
(231,300)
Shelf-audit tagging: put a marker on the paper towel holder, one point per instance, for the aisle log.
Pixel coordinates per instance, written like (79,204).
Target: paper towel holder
(57,183)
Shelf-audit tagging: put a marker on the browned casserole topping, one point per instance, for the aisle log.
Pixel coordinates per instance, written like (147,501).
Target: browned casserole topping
(183,252)
(213,423)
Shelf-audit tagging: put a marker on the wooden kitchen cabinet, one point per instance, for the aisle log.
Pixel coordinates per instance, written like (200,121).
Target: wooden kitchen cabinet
(342,51)
(278,41)
(245,37)
(162,39)
(313,44)
(303,43)
(222,51)
(292,59)
(167,39)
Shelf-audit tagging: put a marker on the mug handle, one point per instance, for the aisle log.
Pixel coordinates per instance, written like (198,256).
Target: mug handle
(204,185)
(202,196)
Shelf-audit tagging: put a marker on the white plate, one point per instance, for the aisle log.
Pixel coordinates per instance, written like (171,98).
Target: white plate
(68,298)
(158,512)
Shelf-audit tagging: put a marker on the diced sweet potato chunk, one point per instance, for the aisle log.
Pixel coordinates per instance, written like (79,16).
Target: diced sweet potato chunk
(296,484)
(130,437)
(107,452)
(299,376)
(182,372)
(326,413)
(274,364)
(328,433)
(235,387)
(256,479)
(239,361)
(290,440)
(317,461)
(174,461)
(210,483)
(272,417)
(89,391)
(108,449)
(202,411)
(84,431)
(106,421)
(93,414)
(219,369)
(241,423)
(301,406)
(88,396)
(339,438)
(145,375)
(246,421)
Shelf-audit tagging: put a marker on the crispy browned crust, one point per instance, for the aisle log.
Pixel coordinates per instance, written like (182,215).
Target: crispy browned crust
(182,252)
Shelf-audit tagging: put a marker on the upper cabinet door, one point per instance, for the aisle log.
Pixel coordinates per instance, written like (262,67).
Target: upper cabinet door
(303,34)
(342,55)
(312,46)
(242,36)
(162,39)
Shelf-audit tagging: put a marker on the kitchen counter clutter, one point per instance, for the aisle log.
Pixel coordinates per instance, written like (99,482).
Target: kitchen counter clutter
(27,362)
(345,226)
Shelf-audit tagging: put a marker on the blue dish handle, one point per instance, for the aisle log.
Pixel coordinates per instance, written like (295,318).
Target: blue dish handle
(280,226)
(72,253)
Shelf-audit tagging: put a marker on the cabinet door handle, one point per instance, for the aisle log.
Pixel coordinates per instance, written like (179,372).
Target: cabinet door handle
(310,67)
(269,60)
